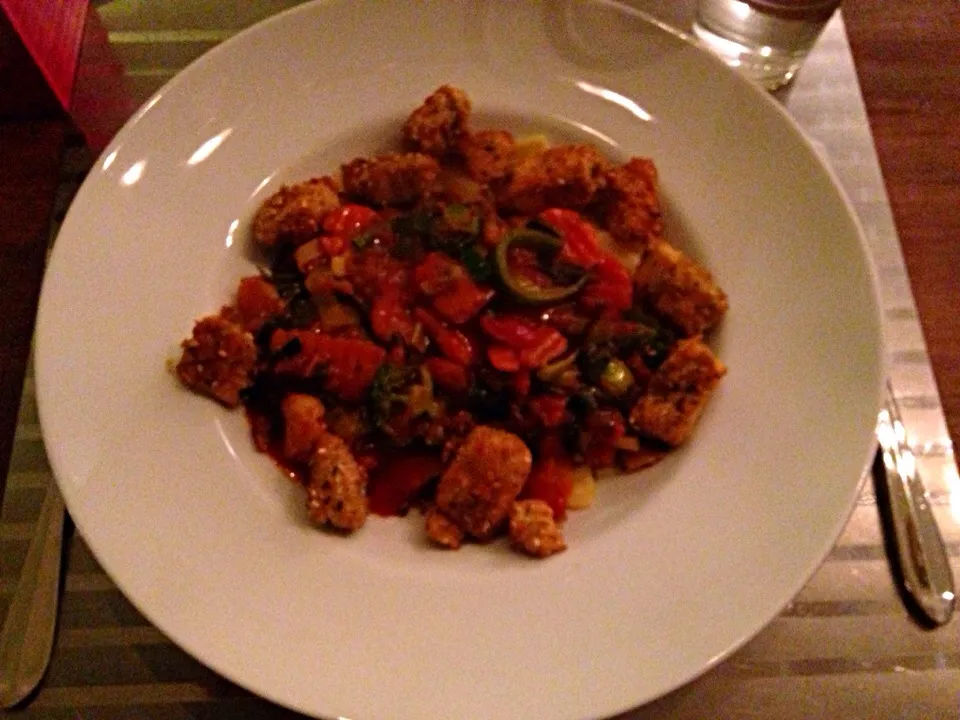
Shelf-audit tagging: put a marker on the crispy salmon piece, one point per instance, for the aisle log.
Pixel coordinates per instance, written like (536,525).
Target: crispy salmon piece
(437,125)
(390,179)
(533,529)
(336,492)
(678,392)
(630,204)
(679,289)
(483,480)
(565,176)
(218,359)
(488,155)
(442,530)
(294,213)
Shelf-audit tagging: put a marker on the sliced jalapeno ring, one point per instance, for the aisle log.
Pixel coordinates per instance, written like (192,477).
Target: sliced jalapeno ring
(522,287)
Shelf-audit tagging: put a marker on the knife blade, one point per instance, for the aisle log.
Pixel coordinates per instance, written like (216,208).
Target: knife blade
(26,641)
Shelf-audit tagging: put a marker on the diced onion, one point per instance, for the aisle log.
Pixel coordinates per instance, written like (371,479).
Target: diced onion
(584,489)
(335,316)
(308,255)
(530,145)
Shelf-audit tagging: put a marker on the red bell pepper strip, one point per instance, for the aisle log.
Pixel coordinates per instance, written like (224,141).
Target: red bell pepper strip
(580,245)
(503,358)
(462,301)
(610,287)
(448,374)
(452,343)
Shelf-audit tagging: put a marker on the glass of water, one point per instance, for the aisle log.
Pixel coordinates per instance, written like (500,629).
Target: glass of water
(767,40)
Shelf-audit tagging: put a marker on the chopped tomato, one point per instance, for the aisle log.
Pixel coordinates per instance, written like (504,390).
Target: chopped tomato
(604,428)
(448,374)
(397,479)
(503,358)
(550,344)
(551,479)
(347,365)
(463,300)
(333,244)
(524,263)
(452,343)
(257,299)
(567,318)
(580,245)
(610,287)
(535,344)
(512,330)
(398,354)
(349,221)
(375,270)
(390,317)
(521,383)
(551,410)
(437,273)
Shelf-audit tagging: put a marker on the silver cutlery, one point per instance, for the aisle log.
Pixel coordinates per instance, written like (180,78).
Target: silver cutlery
(919,558)
(26,642)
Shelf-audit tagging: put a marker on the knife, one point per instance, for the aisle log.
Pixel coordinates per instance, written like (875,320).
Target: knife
(27,638)
(918,557)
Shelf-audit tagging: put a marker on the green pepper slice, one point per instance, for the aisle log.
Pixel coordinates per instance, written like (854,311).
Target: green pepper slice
(522,288)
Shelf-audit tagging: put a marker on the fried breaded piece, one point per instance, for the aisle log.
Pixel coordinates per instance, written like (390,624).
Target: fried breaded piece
(218,359)
(294,213)
(679,289)
(678,392)
(486,475)
(336,493)
(390,179)
(436,126)
(630,206)
(533,529)
(302,425)
(566,176)
(442,530)
(488,155)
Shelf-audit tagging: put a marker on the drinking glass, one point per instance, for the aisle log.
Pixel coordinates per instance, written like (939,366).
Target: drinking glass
(767,40)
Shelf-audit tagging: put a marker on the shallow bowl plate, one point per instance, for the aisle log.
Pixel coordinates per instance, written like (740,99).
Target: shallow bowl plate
(666,575)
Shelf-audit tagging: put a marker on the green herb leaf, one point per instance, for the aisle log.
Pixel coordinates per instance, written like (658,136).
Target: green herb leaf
(385,390)
(477,265)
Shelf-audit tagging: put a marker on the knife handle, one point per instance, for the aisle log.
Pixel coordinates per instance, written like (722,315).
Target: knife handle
(913,534)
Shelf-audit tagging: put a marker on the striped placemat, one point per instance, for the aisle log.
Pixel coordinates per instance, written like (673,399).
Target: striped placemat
(843,648)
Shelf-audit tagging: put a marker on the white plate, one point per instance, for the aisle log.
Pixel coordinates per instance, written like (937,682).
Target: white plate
(665,576)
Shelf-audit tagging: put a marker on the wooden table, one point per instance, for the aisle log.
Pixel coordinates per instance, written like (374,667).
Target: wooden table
(908,63)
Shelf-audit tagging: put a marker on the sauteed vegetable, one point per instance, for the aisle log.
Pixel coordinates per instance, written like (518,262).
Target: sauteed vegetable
(472,327)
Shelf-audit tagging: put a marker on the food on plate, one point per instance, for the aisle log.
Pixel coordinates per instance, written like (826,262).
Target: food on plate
(472,326)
